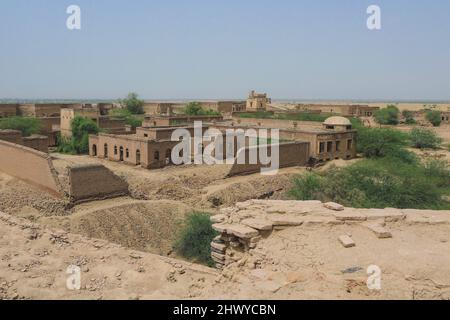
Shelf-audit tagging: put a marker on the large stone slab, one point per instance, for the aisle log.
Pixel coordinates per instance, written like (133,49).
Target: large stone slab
(242,231)
(218,246)
(221,227)
(285,220)
(350,215)
(258,224)
(388,214)
(219,218)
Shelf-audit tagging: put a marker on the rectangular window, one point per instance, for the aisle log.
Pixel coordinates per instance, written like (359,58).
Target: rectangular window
(338,146)
(322,147)
(349,144)
(329,146)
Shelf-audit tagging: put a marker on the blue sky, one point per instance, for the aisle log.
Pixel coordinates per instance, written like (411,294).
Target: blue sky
(207,49)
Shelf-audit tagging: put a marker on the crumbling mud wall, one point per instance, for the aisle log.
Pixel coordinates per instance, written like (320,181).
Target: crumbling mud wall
(29,165)
(290,154)
(94,182)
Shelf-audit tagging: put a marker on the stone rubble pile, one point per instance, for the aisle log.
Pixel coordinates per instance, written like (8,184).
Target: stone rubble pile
(242,226)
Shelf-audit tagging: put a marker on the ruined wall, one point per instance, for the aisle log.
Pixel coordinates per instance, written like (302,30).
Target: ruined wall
(30,165)
(8,110)
(37,142)
(291,154)
(93,181)
(274,123)
(13,136)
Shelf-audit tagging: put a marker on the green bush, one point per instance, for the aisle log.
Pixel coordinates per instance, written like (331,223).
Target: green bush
(133,104)
(300,116)
(380,142)
(27,126)
(306,186)
(434,117)
(408,116)
(79,142)
(381,183)
(124,114)
(195,238)
(195,109)
(425,138)
(388,115)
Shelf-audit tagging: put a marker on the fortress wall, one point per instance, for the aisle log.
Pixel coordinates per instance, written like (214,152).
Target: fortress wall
(291,154)
(280,124)
(94,182)
(29,165)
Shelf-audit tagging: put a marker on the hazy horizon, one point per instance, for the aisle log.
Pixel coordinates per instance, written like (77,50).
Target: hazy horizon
(300,50)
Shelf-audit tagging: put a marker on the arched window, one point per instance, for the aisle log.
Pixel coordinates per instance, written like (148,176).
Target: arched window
(121,154)
(94,150)
(127,153)
(115,150)
(105,149)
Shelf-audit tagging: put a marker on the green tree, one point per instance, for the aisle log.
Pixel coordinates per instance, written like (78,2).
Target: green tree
(79,142)
(388,115)
(380,142)
(27,126)
(425,138)
(306,187)
(195,109)
(195,238)
(434,117)
(133,104)
(124,114)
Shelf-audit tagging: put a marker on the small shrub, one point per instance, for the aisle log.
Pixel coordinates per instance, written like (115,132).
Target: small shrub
(434,117)
(408,116)
(195,109)
(306,187)
(195,238)
(79,142)
(425,138)
(124,114)
(27,126)
(388,115)
(133,104)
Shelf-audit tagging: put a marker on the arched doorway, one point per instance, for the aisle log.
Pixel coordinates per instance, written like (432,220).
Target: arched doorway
(121,154)
(105,149)
(138,157)
(94,150)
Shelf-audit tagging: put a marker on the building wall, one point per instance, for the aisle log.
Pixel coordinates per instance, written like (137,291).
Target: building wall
(291,154)
(157,121)
(343,110)
(13,136)
(8,110)
(93,182)
(37,142)
(29,165)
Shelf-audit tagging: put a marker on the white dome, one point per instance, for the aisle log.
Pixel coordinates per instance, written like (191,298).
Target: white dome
(337,121)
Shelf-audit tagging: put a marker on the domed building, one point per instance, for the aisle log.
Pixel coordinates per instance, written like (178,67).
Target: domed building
(337,124)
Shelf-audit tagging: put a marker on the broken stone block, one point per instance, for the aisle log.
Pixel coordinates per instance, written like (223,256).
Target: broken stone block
(258,224)
(242,231)
(388,214)
(217,256)
(350,216)
(334,206)
(255,239)
(218,239)
(283,220)
(220,227)
(219,218)
(346,241)
(379,230)
(219,247)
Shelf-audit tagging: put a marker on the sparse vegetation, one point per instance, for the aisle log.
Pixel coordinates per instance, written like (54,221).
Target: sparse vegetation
(133,120)
(390,177)
(408,116)
(79,142)
(195,109)
(425,138)
(388,115)
(434,117)
(195,238)
(133,104)
(27,126)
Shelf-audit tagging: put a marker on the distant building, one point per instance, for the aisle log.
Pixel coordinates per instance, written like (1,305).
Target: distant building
(257,102)
(339,109)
